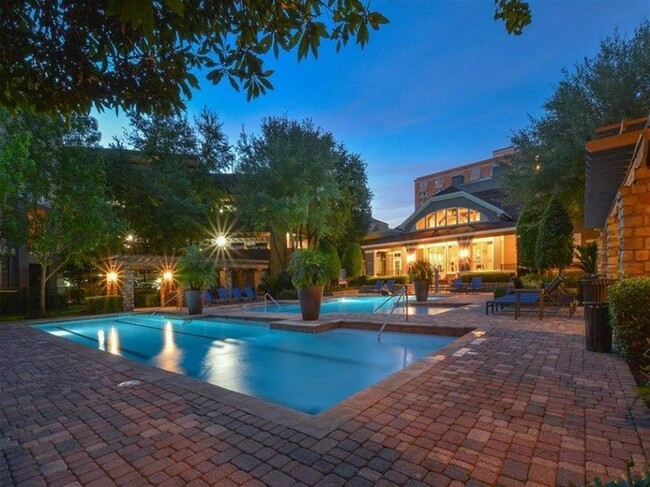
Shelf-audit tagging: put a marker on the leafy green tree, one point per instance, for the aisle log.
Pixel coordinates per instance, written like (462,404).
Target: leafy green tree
(611,86)
(352,214)
(352,260)
(554,247)
(527,230)
(288,176)
(16,169)
(166,188)
(333,267)
(142,55)
(63,202)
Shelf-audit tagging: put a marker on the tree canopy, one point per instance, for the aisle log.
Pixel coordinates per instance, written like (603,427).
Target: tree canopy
(166,189)
(73,55)
(527,231)
(61,205)
(605,89)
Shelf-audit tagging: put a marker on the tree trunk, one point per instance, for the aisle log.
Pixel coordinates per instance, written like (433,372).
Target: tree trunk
(43,286)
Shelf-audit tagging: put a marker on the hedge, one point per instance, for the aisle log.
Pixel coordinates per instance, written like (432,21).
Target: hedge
(397,279)
(104,304)
(629,302)
(488,276)
(288,294)
(147,300)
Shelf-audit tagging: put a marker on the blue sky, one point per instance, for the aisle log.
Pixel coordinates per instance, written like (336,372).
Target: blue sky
(440,86)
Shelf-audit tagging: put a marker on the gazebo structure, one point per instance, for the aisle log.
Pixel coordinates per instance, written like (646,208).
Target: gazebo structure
(235,268)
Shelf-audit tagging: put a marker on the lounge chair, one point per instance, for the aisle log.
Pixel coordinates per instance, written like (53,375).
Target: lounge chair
(457,286)
(476,285)
(236,294)
(252,295)
(390,285)
(207,297)
(378,285)
(509,300)
(222,292)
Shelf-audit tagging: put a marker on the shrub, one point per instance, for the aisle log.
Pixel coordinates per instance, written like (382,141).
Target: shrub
(352,260)
(147,300)
(333,263)
(104,304)
(276,283)
(196,269)
(499,292)
(527,230)
(588,257)
(630,480)
(76,295)
(554,248)
(288,294)
(397,279)
(488,276)
(358,281)
(629,302)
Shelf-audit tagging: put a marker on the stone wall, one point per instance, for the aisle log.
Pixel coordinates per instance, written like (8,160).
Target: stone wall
(625,241)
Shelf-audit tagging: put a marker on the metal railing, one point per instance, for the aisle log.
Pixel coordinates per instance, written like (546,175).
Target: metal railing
(402,295)
(268,296)
(164,304)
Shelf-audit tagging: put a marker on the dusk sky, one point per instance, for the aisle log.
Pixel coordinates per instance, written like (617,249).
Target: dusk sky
(441,85)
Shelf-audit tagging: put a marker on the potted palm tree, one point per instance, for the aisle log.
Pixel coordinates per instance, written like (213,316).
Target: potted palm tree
(308,269)
(587,262)
(421,275)
(196,271)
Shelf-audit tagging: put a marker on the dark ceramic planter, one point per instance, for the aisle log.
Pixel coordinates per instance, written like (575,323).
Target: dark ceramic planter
(194,300)
(310,300)
(421,290)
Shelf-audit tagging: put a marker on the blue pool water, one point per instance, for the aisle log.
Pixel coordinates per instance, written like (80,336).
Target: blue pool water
(352,305)
(303,371)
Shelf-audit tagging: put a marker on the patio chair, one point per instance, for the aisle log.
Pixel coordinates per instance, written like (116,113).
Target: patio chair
(457,286)
(390,284)
(555,295)
(476,285)
(236,294)
(252,295)
(378,286)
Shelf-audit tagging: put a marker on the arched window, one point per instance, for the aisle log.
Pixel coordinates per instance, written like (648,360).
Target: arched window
(447,217)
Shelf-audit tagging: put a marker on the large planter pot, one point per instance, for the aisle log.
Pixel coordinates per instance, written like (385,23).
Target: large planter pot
(194,300)
(421,290)
(310,299)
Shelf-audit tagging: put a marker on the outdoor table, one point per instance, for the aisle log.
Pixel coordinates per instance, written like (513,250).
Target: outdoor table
(518,293)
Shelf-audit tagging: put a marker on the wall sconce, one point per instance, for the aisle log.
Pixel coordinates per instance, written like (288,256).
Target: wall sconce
(410,257)
(463,253)
(168,276)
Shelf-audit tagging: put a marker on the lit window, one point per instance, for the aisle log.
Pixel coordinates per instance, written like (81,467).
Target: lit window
(463,215)
(452,216)
(474,216)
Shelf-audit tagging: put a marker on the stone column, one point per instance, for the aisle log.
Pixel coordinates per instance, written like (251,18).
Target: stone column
(128,288)
(635,204)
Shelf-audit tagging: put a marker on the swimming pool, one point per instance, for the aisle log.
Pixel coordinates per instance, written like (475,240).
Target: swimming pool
(303,371)
(352,305)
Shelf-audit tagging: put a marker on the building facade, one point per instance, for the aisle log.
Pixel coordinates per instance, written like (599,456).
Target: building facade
(460,224)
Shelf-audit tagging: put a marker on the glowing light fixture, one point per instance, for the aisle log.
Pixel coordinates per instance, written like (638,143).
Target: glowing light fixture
(463,253)
(538,164)
(221,241)
(410,258)
(111,276)
(168,275)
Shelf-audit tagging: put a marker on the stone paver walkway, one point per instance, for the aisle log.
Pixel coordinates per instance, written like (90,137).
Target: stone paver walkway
(524,404)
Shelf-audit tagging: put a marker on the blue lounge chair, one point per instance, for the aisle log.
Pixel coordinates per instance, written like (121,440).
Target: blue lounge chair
(378,285)
(390,285)
(509,300)
(457,286)
(207,297)
(236,294)
(252,295)
(476,284)
(222,292)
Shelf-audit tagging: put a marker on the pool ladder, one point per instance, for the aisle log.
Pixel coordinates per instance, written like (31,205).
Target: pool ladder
(402,295)
(164,304)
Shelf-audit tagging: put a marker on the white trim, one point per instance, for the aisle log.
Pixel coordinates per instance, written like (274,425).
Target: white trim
(442,238)
(414,217)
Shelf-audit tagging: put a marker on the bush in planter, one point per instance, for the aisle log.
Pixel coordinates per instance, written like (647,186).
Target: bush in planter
(196,271)
(629,302)
(421,274)
(308,268)
(587,257)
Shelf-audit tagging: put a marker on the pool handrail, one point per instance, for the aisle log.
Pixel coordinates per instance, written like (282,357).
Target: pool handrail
(267,295)
(402,293)
(174,296)
(398,291)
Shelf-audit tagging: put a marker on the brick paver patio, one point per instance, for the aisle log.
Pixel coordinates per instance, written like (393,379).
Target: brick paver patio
(524,404)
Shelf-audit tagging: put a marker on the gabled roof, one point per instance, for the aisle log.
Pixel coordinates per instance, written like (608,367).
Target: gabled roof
(449,193)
